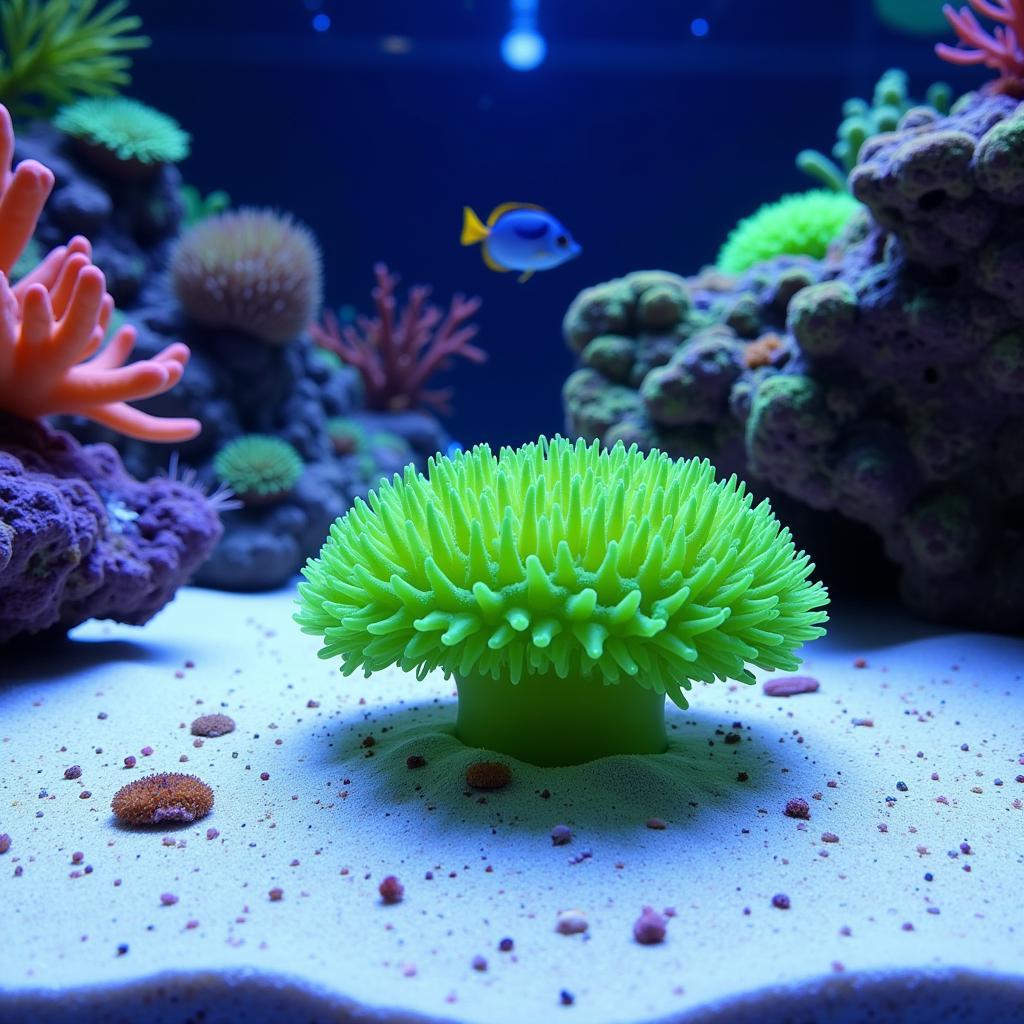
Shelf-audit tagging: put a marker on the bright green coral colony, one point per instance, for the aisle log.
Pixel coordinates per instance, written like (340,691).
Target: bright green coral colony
(567,588)
(258,468)
(804,224)
(56,50)
(129,130)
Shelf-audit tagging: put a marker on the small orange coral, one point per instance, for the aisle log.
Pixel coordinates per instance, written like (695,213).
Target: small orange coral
(55,318)
(762,352)
(170,796)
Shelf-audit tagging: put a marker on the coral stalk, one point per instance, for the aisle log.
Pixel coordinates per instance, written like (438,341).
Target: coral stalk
(53,321)
(397,354)
(1000,49)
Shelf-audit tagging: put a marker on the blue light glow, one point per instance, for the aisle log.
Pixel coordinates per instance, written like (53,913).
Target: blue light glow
(321,22)
(523,49)
(699,27)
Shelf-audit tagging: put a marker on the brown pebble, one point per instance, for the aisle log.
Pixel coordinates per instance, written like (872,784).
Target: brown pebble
(657,824)
(5,843)
(84,795)
(264,776)
(649,928)
(129,761)
(488,775)
(312,703)
(168,899)
(506,945)
(829,837)
(276,894)
(867,723)
(146,751)
(571,922)
(212,833)
(212,726)
(860,663)
(169,796)
(798,807)
(415,761)
(742,776)
(479,963)
(391,890)
(790,686)
(780,901)
(77,857)
(74,772)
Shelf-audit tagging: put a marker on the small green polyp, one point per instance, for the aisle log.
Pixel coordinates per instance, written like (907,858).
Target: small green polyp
(545,720)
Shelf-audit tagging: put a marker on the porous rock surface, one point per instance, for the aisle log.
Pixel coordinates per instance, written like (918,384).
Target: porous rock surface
(885,383)
(81,539)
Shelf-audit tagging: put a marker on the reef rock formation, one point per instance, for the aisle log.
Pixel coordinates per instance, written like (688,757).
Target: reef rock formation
(885,383)
(81,539)
(236,383)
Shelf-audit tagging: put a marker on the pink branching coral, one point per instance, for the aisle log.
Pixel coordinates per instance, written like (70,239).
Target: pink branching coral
(1000,49)
(396,354)
(53,321)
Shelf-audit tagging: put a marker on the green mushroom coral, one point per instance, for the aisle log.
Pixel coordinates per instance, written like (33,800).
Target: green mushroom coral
(568,589)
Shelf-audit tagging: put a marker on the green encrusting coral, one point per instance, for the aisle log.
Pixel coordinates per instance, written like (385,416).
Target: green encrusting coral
(54,51)
(130,130)
(258,468)
(562,585)
(804,224)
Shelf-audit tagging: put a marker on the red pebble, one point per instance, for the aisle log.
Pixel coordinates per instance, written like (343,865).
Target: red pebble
(74,772)
(798,807)
(5,843)
(129,761)
(657,824)
(168,899)
(790,686)
(276,894)
(860,663)
(780,901)
(264,776)
(649,928)
(146,751)
(391,890)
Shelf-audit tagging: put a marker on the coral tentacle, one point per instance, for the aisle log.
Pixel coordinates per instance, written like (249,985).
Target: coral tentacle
(55,319)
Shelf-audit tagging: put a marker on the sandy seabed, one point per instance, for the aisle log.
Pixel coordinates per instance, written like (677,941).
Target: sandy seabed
(908,911)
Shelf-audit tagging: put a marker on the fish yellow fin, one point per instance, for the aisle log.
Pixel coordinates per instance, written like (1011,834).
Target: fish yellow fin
(490,261)
(525,276)
(473,230)
(508,208)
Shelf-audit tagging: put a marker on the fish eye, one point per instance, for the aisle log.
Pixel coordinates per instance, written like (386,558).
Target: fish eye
(562,241)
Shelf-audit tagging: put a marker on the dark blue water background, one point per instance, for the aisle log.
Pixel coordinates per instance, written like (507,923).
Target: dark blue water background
(648,142)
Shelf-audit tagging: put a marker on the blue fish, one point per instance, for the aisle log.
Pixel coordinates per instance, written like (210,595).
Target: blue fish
(519,236)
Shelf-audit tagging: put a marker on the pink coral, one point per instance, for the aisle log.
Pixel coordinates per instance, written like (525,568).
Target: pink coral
(396,354)
(1000,49)
(55,319)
